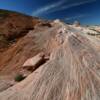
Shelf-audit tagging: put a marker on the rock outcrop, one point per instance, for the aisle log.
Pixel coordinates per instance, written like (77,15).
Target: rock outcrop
(33,63)
(63,59)
(15,42)
(71,73)
(13,24)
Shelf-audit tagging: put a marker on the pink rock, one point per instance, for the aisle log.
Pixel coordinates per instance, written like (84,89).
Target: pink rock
(34,62)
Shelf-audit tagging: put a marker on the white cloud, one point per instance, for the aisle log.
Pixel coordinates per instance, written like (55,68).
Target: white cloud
(48,7)
(78,4)
(58,6)
(73,5)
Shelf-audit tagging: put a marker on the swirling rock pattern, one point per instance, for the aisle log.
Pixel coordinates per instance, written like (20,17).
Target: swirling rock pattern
(71,73)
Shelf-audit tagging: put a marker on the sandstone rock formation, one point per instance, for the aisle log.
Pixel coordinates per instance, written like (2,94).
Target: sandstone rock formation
(67,68)
(34,62)
(13,24)
(72,71)
(14,41)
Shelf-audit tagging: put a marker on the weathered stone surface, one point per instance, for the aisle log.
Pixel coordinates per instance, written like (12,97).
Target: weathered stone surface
(34,62)
(71,73)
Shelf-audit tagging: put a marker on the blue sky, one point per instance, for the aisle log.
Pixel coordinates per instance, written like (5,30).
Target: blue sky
(86,11)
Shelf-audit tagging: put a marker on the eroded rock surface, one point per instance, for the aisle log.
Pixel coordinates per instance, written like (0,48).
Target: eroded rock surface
(71,73)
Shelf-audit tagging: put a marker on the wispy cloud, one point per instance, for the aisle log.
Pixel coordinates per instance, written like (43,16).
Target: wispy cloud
(78,4)
(48,7)
(76,17)
(64,7)
(58,6)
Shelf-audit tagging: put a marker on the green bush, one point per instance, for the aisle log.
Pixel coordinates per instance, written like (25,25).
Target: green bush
(19,77)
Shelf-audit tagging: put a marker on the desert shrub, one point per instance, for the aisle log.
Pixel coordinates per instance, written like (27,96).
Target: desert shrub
(3,39)
(19,77)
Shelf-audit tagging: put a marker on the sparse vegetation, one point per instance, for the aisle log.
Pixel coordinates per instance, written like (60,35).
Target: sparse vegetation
(4,13)
(3,39)
(19,77)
